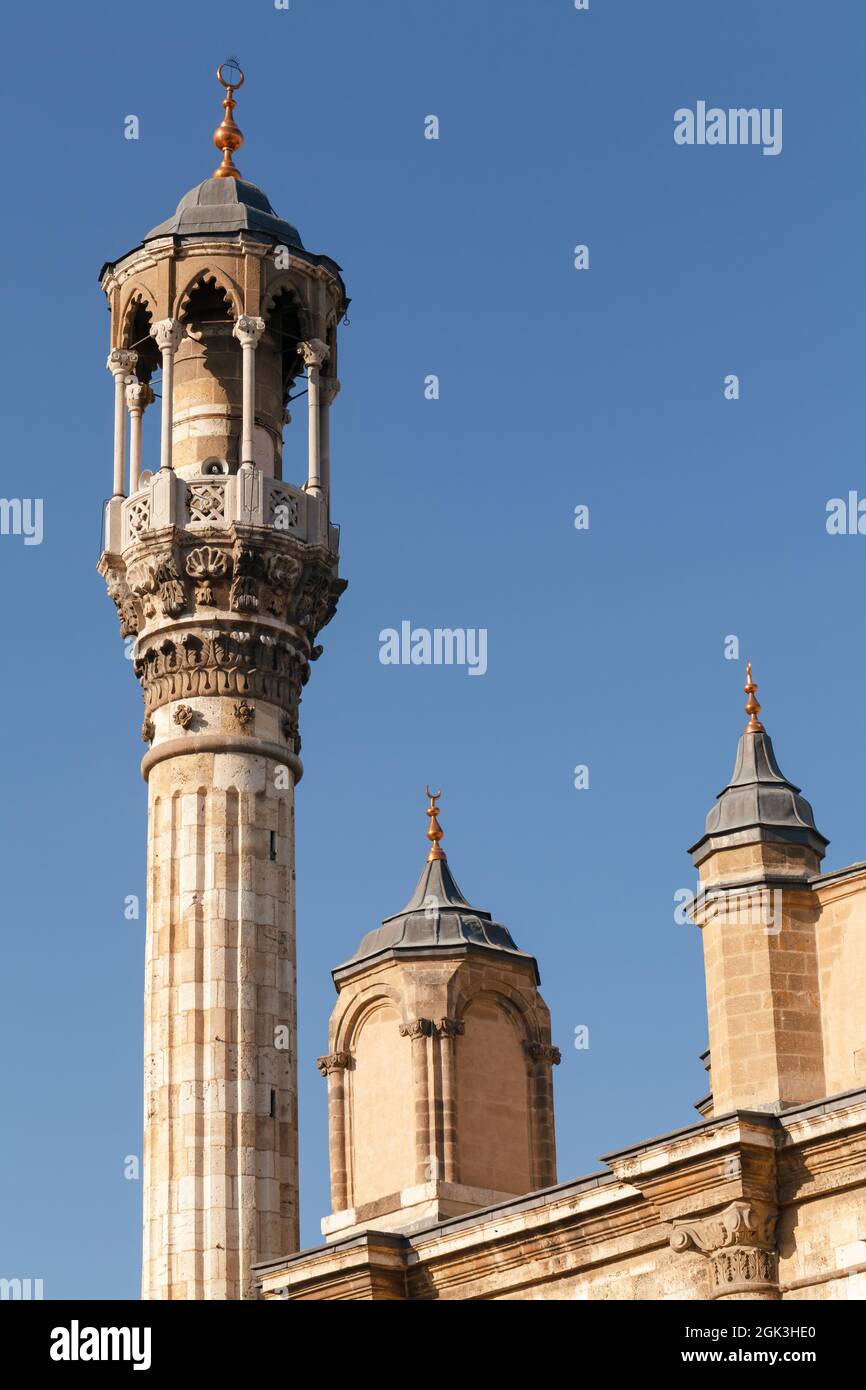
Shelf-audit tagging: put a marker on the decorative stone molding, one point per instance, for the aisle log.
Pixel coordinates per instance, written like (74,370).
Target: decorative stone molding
(252,606)
(184,715)
(740,1244)
(329,389)
(543,1052)
(204,660)
(244,713)
(128,610)
(147,730)
(204,564)
(334,1061)
(417,1028)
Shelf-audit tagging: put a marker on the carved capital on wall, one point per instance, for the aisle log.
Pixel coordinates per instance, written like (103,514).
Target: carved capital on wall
(334,1061)
(543,1052)
(739,1242)
(450,1027)
(417,1028)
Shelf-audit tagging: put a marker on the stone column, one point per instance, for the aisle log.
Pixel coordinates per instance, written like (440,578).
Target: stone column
(740,1245)
(448,1030)
(329,387)
(248,331)
(419,1030)
(333,1067)
(120,363)
(314,353)
(138,397)
(168,334)
(542,1058)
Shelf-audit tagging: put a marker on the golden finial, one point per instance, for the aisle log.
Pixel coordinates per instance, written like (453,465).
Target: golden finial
(434,830)
(753,709)
(227,137)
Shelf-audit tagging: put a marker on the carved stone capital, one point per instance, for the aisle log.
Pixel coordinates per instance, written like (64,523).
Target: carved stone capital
(329,389)
(314,352)
(417,1028)
(168,334)
(121,362)
(138,395)
(450,1027)
(334,1061)
(248,330)
(742,1223)
(543,1052)
(739,1243)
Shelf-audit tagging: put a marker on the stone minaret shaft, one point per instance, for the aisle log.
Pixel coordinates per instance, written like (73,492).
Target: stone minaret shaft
(222,575)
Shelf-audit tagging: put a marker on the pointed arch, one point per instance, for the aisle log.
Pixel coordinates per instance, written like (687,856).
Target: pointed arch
(209,280)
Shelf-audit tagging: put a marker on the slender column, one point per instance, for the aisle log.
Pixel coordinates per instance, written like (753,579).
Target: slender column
(168,334)
(419,1030)
(120,363)
(248,331)
(138,396)
(329,386)
(448,1030)
(333,1067)
(542,1058)
(314,353)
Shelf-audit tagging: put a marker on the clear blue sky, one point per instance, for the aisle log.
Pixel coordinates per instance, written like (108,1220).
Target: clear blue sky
(558,387)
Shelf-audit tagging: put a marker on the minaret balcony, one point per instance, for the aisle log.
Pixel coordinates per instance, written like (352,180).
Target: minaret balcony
(212,502)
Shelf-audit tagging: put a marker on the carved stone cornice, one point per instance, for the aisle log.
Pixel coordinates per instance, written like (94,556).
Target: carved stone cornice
(334,1061)
(417,1028)
(543,1052)
(233,612)
(740,1244)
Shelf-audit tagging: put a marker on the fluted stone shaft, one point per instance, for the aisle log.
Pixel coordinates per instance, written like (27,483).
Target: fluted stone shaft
(221,1175)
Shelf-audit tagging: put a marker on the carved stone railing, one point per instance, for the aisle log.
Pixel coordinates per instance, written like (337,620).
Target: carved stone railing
(201,503)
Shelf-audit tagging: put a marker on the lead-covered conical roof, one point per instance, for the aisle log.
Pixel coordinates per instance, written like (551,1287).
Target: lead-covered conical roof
(759,803)
(436,918)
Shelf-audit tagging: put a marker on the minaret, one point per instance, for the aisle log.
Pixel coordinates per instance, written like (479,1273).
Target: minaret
(222,574)
(440,1095)
(758,915)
